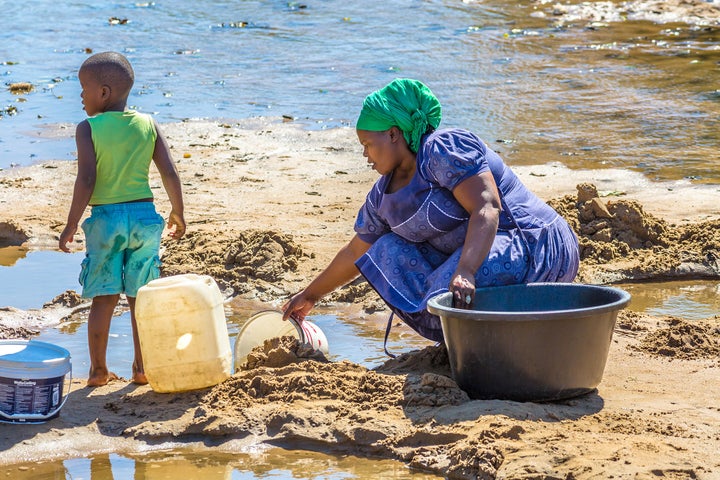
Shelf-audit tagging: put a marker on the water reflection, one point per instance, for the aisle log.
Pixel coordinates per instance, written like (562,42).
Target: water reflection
(633,91)
(217,465)
(10,255)
(692,300)
(33,278)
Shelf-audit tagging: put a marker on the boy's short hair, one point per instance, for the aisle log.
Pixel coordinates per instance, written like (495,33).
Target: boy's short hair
(112,69)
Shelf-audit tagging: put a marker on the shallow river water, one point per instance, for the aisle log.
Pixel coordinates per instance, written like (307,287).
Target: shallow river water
(538,86)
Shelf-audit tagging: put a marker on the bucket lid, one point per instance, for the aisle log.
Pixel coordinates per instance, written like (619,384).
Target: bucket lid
(32,358)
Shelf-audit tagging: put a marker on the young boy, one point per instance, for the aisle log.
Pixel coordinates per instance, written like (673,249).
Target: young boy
(122,234)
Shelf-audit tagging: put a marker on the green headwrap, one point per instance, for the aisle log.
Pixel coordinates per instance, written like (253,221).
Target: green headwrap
(405,103)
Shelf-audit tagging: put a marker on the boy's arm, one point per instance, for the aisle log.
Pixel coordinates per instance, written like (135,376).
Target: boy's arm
(171,182)
(84,182)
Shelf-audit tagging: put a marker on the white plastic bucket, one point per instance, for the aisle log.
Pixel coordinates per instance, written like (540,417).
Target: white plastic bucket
(269,324)
(32,380)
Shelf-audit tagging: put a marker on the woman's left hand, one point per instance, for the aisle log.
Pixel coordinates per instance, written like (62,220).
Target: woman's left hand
(462,287)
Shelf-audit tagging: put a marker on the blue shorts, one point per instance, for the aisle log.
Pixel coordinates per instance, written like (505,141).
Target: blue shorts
(122,248)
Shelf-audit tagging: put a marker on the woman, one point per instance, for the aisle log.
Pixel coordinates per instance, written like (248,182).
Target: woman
(446,214)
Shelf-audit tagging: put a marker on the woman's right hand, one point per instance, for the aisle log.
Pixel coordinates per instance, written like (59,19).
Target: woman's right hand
(341,270)
(298,306)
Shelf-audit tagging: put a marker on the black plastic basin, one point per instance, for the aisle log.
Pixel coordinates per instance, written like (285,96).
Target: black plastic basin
(534,342)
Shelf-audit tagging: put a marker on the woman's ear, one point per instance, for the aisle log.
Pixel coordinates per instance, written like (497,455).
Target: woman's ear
(395,134)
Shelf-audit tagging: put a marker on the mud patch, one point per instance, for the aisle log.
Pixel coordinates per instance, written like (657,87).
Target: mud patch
(620,241)
(684,340)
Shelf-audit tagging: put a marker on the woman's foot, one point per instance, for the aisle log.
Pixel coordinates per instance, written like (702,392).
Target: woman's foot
(100,377)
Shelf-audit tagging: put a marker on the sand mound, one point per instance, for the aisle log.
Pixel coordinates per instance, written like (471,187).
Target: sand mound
(262,262)
(266,255)
(280,352)
(359,292)
(68,298)
(629,321)
(310,381)
(684,340)
(300,372)
(430,359)
(293,398)
(620,241)
(243,261)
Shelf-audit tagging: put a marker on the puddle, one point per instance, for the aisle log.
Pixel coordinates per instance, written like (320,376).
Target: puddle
(10,255)
(72,336)
(30,278)
(689,299)
(173,464)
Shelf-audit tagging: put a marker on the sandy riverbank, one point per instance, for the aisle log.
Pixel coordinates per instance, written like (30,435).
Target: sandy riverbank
(577,12)
(268,204)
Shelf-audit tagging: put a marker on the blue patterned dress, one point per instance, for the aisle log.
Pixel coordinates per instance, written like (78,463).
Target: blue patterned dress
(417,232)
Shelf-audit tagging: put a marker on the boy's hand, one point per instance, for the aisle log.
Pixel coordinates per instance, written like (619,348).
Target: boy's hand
(178,221)
(67,237)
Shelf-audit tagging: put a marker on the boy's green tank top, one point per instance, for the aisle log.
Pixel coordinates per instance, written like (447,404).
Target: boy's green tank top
(124,143)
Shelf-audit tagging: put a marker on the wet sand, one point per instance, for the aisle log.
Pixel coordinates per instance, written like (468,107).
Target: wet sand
(268,204)
(693,12)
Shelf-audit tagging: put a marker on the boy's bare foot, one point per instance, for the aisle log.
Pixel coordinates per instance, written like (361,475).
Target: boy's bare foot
(138,375)
(139,378)
(99,379)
